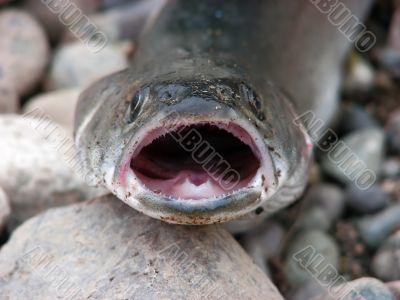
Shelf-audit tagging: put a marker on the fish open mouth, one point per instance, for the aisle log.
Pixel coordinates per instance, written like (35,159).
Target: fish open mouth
(196,161)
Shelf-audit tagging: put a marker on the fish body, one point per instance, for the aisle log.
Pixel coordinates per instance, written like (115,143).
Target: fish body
(201,128)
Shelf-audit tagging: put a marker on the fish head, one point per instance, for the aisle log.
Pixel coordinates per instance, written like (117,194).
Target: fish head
(194,149)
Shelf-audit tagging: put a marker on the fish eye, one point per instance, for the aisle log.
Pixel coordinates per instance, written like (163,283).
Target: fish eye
(136,103)
(253,100)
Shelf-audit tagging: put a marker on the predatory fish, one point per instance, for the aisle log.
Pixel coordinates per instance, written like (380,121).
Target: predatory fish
(200,129)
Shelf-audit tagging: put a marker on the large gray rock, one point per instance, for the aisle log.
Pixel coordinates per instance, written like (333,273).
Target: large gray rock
(38,169)
(103,249)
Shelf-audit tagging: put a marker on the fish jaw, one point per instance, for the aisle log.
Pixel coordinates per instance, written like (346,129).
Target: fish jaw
(113,133)
(193,195)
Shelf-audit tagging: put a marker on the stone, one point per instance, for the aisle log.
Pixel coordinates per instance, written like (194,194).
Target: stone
(360,289)
(103,249)
(38,169)
(308,291)
(374,229)
(74,65)
(59,106)
(386,263)
(264,242)
(389,59)
(359,76)
(5,209)
(353,118)
(24,51)
(308,255)
(391,168)
(49,15)
(366,146)
(324,204)
(126,21)
(366,201)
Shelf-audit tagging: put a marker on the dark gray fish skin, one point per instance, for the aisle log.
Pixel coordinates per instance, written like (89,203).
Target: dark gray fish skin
(212,62)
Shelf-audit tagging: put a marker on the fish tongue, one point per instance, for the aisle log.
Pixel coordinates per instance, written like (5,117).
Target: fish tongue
(195,186)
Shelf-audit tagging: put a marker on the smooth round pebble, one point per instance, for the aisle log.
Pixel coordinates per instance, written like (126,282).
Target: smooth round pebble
(24,51)
(314,218)
(374,229)
(308,256)
(367,147)
(59,106)
(366,201)
(365,288)
(38,169)
(324,205)
(74,65)
(386,262)
(103,249)
(5,209)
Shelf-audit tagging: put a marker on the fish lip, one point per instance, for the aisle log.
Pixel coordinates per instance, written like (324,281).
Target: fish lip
(201,211)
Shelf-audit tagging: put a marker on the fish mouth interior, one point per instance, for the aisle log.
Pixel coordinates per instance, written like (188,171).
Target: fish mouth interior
(196,161)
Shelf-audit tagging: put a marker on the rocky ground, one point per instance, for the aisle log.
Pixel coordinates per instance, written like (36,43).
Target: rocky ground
(339,241)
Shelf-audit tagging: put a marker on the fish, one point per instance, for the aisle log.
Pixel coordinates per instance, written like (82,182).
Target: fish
(200,129)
